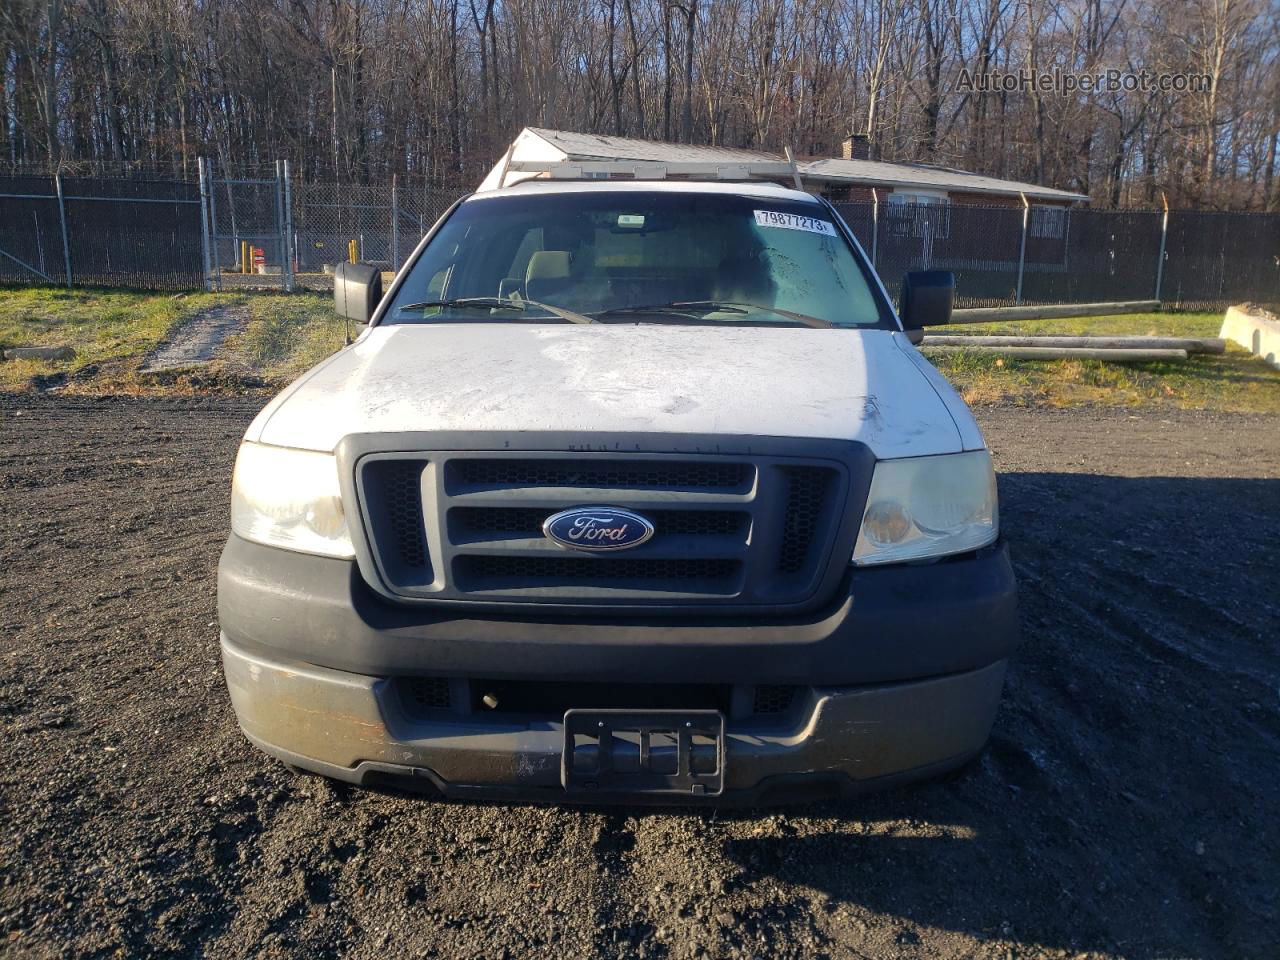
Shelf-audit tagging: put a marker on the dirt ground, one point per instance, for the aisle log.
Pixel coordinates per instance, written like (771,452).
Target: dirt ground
(1127,805)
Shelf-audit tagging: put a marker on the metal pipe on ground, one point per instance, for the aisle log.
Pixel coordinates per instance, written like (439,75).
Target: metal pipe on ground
(1189,344)
(1067,353)
(1059,311)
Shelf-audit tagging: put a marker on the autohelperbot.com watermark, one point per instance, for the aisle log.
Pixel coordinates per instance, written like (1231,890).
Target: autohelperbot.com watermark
(1067,82)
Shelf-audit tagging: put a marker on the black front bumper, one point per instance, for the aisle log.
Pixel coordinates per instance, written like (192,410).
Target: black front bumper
(902,673)
(894,623)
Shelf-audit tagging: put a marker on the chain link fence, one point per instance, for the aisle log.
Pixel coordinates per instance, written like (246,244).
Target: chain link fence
(1215,258)
(1006,255)
(246,222)
(100,232)
(270,233)
(377,224)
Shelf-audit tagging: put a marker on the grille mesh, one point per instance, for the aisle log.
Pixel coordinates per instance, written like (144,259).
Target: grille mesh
(502,520)
(594,570)
(429,693)
(699,523)
(568,473)
(404,511)
(806,496)
(773,699)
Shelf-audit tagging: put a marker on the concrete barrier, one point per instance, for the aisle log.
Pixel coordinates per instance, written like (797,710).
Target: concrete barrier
(1254,329)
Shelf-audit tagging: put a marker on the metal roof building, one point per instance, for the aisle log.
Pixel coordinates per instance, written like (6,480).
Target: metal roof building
(917,177)
(840,178)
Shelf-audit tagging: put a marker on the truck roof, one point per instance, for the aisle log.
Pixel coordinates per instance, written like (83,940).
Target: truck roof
(762,189)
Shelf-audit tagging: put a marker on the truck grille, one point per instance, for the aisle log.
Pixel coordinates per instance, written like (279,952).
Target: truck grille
(467,525)
(586,473)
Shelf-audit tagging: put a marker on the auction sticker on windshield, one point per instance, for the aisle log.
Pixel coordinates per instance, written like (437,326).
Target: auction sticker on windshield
(793,221)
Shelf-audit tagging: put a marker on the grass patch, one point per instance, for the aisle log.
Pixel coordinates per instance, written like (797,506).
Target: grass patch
(286,336)
(114,331)
(1234,381)
(110,331)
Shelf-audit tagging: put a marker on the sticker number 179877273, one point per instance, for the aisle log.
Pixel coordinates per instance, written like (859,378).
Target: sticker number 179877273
(793,221)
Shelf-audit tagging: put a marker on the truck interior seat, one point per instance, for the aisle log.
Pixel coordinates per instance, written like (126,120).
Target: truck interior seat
(548,274)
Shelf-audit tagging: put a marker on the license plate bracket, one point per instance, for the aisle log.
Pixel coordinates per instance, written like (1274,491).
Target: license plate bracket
(643,752)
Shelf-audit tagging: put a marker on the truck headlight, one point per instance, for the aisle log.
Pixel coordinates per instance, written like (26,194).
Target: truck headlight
(289,498)
(928,507)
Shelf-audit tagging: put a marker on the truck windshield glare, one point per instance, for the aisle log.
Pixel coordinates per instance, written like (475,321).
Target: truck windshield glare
(634,257)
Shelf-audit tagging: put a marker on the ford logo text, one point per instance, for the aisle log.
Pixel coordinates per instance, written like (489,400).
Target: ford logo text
(597,529)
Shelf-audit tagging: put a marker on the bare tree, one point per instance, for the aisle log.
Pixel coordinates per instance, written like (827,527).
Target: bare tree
(361,89)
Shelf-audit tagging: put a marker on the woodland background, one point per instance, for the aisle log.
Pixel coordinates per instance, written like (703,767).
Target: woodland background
(357,90)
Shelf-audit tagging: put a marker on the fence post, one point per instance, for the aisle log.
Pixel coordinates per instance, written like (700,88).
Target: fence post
(395,225)
(288,230)
(1022,250)
(213,226)
(62,218)
(205,259)
(1164,236)
(875,225)
(282,245)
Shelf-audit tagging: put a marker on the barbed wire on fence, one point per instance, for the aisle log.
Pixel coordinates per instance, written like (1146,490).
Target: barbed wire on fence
(232,232)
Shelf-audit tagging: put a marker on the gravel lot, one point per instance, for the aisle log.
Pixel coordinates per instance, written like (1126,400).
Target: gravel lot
(1127,805)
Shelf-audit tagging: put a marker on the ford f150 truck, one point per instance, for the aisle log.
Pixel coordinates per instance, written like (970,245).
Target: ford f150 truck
(628,490)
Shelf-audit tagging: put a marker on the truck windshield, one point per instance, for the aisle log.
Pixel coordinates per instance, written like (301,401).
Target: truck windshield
(639,257)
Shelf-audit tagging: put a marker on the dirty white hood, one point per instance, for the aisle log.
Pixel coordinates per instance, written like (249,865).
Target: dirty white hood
(870,385)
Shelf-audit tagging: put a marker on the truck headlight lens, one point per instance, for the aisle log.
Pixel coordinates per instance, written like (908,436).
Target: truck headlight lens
(928,507)
(289,498)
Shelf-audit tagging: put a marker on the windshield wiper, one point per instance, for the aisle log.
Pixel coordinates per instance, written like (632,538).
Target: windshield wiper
(499,303)
(703,307)
(679,306)
(486,303)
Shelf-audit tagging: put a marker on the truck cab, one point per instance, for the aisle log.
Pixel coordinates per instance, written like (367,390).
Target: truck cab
(627,490)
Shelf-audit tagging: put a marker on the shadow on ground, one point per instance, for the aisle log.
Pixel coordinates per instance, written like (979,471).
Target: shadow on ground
(1127,801)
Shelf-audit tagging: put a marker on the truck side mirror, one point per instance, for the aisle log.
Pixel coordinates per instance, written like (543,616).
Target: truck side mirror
(927,296)
(357,290)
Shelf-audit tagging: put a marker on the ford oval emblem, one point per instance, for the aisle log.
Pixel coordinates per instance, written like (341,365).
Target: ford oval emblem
(597,529)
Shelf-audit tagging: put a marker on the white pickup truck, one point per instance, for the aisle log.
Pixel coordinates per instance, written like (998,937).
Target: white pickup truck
(628,490)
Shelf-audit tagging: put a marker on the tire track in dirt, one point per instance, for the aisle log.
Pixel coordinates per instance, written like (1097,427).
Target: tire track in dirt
(197,341)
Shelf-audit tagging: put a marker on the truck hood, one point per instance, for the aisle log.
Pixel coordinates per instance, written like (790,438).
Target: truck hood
(870,386)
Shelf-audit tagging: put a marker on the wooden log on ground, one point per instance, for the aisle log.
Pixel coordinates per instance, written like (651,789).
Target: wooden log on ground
(1059,311)
(1067,353)
(1189,344)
